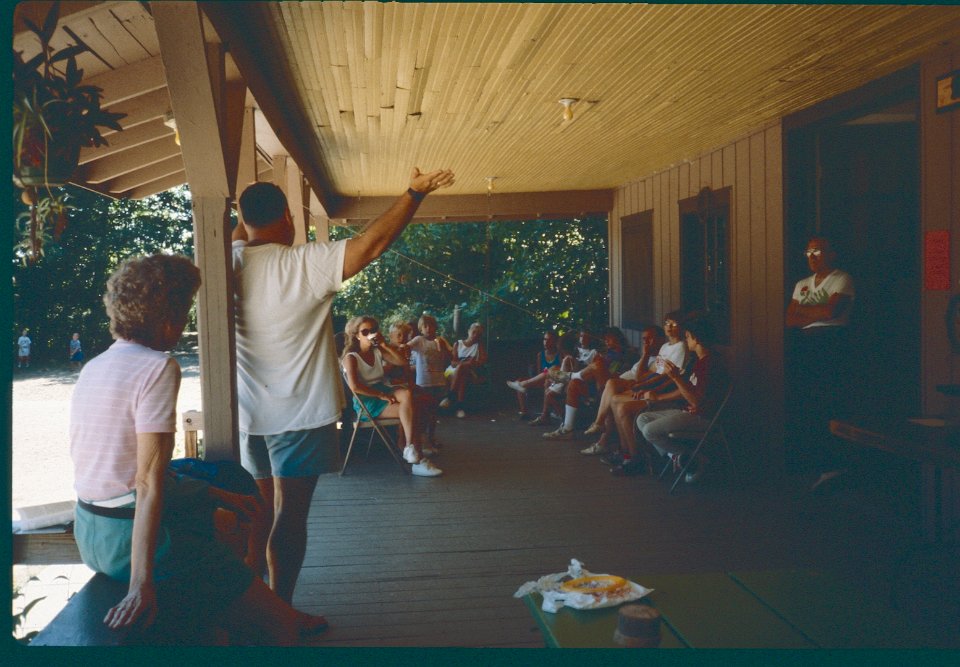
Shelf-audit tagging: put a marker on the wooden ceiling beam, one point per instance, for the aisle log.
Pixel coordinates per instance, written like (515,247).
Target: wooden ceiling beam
(188,66)
(130,81)
(125,162)
(141,109)
(131,138)
(247,40)
(155,187)
(501,206)
(135,179)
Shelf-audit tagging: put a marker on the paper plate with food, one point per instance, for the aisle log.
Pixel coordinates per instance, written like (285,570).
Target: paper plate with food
(581,589)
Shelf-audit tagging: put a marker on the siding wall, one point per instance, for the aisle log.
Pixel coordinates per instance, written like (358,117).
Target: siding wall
(940,209)
(752,167)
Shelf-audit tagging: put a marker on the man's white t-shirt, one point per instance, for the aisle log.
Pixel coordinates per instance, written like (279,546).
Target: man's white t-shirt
(288,378)
(675,352)
(808,293)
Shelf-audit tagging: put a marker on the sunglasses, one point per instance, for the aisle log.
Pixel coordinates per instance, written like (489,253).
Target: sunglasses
(367,332)
(670,323)
(813,252)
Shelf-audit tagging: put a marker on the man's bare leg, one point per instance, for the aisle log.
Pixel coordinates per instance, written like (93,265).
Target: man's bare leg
(287,543)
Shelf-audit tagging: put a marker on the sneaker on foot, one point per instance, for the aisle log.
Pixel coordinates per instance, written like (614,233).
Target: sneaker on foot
(614,459)
(594,449)
(559,434)
(632,466)
(410,454)
(825,477)
(539,420)
(425,469)
(594,428)
(695,471)
(445,403)
(461,414)
(516,386)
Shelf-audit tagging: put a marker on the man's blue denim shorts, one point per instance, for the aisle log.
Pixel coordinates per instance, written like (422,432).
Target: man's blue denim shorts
(291,453)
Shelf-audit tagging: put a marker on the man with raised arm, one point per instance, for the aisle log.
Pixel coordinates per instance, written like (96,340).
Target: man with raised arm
(288,382)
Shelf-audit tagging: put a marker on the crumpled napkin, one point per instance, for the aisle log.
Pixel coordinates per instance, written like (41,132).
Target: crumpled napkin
(554,598)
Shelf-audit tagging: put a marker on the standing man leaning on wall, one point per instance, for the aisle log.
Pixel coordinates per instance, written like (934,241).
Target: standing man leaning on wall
(819,364)
(288,382)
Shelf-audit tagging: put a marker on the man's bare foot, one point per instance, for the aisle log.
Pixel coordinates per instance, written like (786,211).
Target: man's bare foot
(311,625)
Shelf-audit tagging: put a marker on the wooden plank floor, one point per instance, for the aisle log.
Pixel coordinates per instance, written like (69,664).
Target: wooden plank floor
(396,560)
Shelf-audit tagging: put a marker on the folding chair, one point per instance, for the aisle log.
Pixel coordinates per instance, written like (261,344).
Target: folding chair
(713,430)
(364,419)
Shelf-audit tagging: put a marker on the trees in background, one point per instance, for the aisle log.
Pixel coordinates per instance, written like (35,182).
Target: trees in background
(515,277)
(62,292)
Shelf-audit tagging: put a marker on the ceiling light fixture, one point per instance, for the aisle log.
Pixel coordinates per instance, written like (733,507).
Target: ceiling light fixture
(567,103)
(171,122)
(490,180)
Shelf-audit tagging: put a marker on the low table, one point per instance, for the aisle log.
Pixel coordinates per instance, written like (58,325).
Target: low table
(772,609)
(936,447)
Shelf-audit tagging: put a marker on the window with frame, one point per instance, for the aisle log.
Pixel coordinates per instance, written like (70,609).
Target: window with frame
(636,274)
(705,257)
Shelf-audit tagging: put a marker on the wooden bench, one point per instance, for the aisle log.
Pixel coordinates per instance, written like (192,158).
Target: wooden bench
(80,623)
(777,609)
(45,548)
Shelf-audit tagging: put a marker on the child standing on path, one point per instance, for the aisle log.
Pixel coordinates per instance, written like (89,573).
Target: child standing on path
(430,353)
(23,345)
(76,352)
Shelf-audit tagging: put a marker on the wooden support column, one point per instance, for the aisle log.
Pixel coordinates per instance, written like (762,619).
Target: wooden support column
(294,192)
(193,95)
(319,218)
(247,166)
(287,177)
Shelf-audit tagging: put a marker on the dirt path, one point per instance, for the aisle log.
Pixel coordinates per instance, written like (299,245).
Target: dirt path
(42,471)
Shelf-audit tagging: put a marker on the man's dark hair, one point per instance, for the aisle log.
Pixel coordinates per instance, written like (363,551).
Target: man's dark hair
(262,204)
(700,327)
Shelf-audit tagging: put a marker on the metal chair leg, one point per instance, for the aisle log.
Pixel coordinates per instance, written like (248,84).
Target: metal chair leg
(346,459)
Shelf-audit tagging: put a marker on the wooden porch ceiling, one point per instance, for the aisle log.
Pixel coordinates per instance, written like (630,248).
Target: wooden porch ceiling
(364,90)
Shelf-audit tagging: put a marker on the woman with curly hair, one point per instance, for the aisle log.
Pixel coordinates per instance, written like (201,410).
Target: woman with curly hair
(134,520)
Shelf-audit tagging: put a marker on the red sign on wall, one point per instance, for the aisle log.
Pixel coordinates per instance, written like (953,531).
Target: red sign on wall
(936,260)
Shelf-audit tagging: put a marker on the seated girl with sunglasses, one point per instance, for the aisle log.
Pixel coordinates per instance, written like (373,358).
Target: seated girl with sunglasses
(362,361)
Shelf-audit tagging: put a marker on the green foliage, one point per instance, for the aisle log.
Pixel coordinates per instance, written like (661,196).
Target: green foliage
(62,292)
(516,277)
(20,617)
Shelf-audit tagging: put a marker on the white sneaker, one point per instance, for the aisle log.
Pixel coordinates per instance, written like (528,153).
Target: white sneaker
(461,414)
(425,469)
(594,449)
(445,403)
(410,454)
(516,386)
(559,434)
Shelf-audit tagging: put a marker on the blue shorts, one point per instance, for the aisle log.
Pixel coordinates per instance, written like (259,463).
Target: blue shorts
(291,453)
(189,559)
(373,404)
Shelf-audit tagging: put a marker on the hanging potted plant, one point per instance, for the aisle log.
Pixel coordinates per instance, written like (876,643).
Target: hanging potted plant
(54,116)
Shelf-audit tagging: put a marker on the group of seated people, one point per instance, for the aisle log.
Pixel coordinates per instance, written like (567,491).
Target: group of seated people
(673,383)
(410,378)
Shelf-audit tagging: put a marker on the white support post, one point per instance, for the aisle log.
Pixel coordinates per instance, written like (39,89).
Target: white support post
(193,95)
